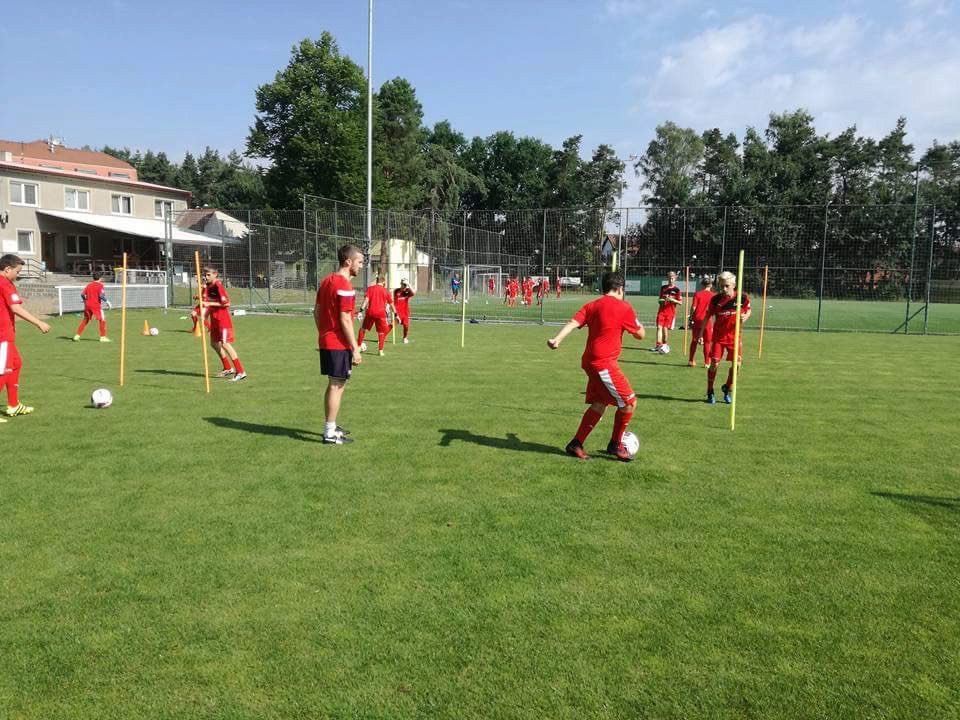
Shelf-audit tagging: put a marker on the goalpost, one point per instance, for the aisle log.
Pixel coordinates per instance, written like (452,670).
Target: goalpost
(475,286)
(138,296)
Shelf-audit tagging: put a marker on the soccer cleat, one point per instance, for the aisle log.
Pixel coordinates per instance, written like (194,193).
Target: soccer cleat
(726,394)
(574,448)
(2,420)
(20,409)
(618,451)
(239,377)
(76,338)
(381,353)
(655,349)
(225,373)
(341,430)
(105,339)
(692,363)
(711,398)
(406,341)
(336,439)
(363,347)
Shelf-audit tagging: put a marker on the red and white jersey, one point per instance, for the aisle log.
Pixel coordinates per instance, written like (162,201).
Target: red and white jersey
(335,295)
(8,298)
(93,295)
(701,305)
(378,297)
(216,292)
(545,284)
(528,287)
(491,285)
(401,300)
(724,309)
(606,319)
(671,292)
(513,288)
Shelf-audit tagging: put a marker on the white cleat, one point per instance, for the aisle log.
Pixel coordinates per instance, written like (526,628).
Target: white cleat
(363,347)
(406,341)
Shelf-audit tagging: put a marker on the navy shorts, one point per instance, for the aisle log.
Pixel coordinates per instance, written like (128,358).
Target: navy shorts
(336,363)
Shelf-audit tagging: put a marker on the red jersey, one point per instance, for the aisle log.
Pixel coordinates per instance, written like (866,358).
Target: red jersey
(378,297)
(93,295)
(8,298)
(701,305)
(513,287)
(545,284)
(336,295)
(401,300)
(669,291)
(724,309)
(606,320)
(216,292)
(490,285)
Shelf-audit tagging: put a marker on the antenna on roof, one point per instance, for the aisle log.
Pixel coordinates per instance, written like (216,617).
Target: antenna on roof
(54,142)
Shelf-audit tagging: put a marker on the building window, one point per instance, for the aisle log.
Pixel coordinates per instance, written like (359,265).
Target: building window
(78,244)
(25,241)
(162,208)
(121,204)
(51,167)
(76,199)
(22,193)
(86,171)
(120,175)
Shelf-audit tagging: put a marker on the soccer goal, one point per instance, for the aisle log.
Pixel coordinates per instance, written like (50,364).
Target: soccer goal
(138,296)
(476,286)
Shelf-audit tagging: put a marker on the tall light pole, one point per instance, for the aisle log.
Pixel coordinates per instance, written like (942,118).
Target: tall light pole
(369,228)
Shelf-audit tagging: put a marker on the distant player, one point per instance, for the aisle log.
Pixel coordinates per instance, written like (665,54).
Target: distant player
(377,309)
(215,305)
(702,331)
(513,291)
(11,307)
(543,289)
(666,316)
(455,286)
(723,311)
(606,319)
(491,286)
(528,292)
(94,296)
(339,350)
(401,305)
(558,287)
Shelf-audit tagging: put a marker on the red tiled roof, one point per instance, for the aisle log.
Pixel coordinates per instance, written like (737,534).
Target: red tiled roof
(20,167)
(40,150)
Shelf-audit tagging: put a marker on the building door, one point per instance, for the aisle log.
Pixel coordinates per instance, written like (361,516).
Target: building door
(48,250)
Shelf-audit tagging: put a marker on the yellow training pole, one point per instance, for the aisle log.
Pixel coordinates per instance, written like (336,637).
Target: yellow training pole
(463,306)
(123,320)
(203,327)
(736,346)
(763,310)
(686,309)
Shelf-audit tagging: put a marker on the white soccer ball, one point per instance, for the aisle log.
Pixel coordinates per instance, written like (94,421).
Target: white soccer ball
(631,442)
(664,349)
(101,398)
(154,331)
(363,347)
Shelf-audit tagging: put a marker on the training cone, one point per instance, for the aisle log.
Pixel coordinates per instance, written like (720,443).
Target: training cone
(197,332)
(146,328)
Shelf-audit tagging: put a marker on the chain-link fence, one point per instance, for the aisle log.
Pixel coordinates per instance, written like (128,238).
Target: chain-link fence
(860,268)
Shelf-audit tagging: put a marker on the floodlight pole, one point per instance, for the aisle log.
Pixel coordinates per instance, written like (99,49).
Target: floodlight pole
(369,229)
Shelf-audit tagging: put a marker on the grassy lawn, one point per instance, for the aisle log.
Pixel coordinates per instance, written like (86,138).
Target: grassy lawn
(188,556)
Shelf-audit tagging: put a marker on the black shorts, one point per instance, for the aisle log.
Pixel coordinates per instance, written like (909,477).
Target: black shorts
(336,363)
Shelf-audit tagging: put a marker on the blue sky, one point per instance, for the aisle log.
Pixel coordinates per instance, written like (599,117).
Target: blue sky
(178,75)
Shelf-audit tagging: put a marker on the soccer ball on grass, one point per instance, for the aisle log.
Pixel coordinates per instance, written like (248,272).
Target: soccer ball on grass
(664,349)
(154,331)
(631,443)
(101,398)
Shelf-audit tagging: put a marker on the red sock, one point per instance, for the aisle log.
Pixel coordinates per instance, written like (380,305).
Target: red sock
(589,421)
(380,339)
(360,336)
(238,365)
(711,377)
(620,422)
(83,326)
(706,353)
(103,328)
(406,329)
(13,387)
(693,349)
(730,379)
(226,362)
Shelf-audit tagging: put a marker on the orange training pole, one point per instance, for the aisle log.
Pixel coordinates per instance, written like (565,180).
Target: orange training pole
(203,327)
(123,320)
(763,309)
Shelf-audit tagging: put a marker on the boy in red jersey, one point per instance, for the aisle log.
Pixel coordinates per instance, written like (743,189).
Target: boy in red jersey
(528,292)
(666,316)
(339,350)
(93,296)
(543,289)
(723,310)
(491,286)
(702,331)
(376,310)
(215,305)
(11,307)
(558,287)
(607,319)
(401,305)
(513,289)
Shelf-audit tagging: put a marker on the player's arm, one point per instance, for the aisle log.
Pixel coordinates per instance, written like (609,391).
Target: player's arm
(21,312)
(639,333)
(346,323)
(703,325)
(554,342)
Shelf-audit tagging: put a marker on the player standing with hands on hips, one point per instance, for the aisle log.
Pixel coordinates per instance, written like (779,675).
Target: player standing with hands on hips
(11,307)
(606,319)
(339,350)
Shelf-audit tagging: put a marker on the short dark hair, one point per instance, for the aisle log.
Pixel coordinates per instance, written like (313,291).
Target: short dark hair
(611,281)
(10,260)
(346,252)
(707,281)
(97,275)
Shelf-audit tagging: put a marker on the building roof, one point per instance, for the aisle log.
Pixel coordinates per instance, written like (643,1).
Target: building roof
(41,150)
(91,178)
(139,227)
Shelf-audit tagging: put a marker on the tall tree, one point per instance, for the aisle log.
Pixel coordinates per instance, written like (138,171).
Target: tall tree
(398,146)
(669,166)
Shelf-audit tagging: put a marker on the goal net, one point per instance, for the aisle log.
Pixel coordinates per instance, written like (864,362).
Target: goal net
(138,296)
(483,282)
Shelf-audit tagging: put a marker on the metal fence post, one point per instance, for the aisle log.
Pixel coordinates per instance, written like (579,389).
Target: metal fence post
(931,229)
(223,252)
(626,246)
(250,256)
(304,264)
(913,250)
(723,238)
(269,269)
(168,252)
(316,249)
(543,264)
(823,264)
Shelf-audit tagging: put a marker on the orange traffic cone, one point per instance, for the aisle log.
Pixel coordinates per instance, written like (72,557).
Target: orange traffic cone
(146,328)
(197,332)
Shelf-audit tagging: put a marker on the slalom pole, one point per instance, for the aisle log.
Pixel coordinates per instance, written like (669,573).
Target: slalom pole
(763,310)
(736,345)
(123,321)
(686,310)
(203,326)
(463,309)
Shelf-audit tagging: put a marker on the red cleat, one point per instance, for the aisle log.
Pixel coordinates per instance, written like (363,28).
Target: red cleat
(574,448)
(619,452)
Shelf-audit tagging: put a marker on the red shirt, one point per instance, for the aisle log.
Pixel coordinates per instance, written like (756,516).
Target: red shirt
(216,292)
(336,295)
(724,309)
(93,295)
(606,320)
(701,305)
(490,284)
(401,300)
(513,287)
(669,291)
(378,297)
(8,298)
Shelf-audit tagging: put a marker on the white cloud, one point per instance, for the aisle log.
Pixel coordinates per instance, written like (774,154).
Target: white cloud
(832,38)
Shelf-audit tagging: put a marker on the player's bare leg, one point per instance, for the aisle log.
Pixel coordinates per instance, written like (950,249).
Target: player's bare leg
(590,418)
(224,358)
(333,433)
(231,353)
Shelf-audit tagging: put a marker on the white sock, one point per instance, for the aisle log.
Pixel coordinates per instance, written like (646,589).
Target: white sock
(330,429)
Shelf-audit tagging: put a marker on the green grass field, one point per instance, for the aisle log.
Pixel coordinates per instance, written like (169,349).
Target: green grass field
(188,556)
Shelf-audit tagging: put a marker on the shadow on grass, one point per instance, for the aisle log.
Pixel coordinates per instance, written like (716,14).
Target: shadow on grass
(948,503)
(272,430)
(510,442)
(172,372)
(641,396)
